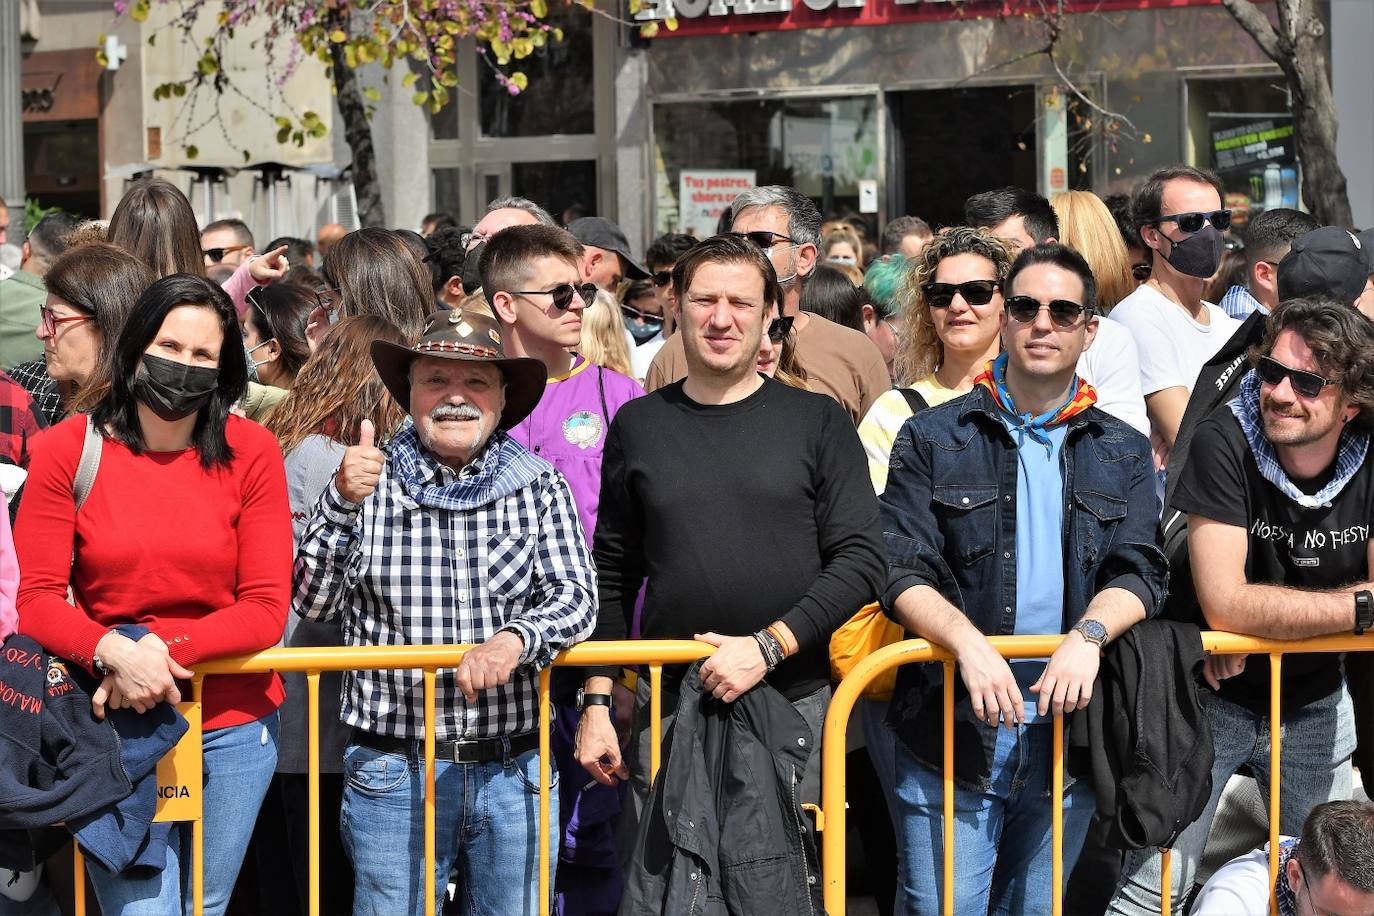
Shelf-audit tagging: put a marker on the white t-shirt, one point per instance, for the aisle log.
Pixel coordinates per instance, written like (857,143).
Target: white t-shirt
(1112,366)
(642,354)
(1172,347)
(1239,886)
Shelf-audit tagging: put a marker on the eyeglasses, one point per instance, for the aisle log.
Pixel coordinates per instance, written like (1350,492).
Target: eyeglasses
(629,311)
(1192,222)
(663,278)
(51,321)
(562,294)
(262,318)
(471,239)
(974,292)
(217,254)
(779,328)
(1063,312)
(1307,384)
(763,238)
(1141,272)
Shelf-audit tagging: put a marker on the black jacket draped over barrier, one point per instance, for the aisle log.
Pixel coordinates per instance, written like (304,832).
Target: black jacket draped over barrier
(724,831)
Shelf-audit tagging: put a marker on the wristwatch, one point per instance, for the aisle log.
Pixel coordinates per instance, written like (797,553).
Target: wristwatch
(1364,611)
(1092,631)
(585,699)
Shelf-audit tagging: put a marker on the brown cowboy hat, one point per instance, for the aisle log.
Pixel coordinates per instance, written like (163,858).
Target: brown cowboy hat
(463,334)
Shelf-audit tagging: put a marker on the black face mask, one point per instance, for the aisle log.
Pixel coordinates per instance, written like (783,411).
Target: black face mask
(1199,254)
(472,279)
(174,390)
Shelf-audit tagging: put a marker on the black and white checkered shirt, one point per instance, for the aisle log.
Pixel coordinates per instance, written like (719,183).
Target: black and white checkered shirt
(398,573)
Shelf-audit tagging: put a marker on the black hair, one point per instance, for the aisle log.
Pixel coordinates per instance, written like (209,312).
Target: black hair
(48,238)
(991,208)
(415,242)
(1149,196)
(242,233)
(1270,234)
(446,255)
(438,220)
(666,249)
(1338,839)
(117,411)
(1060,256)
(833,295)
(280,312)
(1119,205)
(298,251)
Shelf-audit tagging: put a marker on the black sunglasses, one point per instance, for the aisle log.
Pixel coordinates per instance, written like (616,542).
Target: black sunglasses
(779,328)
(1192,222)
(763,238)
(1141,272)
(663,278)
(1307,384)
(975,292)
(217,254)
(1063,312)
(562,294)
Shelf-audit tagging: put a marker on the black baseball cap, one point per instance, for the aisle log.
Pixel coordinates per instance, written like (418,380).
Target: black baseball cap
(599,232)
(1367,240)
(1329,261)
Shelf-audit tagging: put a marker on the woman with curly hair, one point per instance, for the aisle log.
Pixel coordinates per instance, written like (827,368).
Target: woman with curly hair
(334,392)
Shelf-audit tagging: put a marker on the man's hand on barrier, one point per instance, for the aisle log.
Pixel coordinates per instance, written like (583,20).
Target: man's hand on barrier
(361,467)
(144,674)
(490,664)
(734,668)
(1218,668)
(992,687)
(1066,683)
(597,747)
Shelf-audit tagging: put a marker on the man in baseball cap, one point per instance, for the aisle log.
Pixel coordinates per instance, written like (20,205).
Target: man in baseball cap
(1329,262)
(454,534)
(606,256)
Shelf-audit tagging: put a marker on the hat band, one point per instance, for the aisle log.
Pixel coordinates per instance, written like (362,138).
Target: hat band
(447,346)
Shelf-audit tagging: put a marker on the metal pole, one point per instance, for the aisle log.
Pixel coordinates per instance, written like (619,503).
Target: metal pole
(11,118)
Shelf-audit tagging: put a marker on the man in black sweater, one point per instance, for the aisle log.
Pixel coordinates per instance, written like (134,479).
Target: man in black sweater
(746,505)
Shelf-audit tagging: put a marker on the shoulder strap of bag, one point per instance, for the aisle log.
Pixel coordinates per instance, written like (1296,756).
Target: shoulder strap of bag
(914,399)
(90,463)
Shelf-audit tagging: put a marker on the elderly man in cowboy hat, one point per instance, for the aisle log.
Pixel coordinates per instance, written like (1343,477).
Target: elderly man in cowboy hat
(452,534)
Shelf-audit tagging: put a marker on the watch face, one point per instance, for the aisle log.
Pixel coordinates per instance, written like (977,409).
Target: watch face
(1093,630)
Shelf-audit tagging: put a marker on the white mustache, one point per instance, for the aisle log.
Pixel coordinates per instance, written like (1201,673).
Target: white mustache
(455,412)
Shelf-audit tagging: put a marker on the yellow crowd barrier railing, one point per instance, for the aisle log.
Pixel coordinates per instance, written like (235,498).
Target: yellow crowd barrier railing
(179,774)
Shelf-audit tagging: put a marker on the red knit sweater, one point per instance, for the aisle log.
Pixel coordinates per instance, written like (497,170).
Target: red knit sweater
(201,558)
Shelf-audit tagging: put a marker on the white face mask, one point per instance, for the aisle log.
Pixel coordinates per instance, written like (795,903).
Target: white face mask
(842,259)
(254,364)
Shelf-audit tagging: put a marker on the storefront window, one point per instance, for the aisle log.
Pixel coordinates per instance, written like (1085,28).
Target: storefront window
(1242,129)
(708,151)
(566,189)
(559,97)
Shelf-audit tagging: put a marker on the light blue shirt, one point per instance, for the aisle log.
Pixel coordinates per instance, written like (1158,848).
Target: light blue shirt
(1039,548)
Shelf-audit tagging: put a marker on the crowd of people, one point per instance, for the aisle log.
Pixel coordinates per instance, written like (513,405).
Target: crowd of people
(518,436)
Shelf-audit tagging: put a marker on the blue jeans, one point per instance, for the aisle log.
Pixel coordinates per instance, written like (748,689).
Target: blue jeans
(1002,835)
(486,825)
(1318,741)
(238,763)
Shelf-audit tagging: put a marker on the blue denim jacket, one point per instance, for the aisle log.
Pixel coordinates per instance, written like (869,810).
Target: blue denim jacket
(949,522)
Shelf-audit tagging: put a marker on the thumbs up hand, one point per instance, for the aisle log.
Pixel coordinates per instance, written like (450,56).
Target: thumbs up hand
(361,467)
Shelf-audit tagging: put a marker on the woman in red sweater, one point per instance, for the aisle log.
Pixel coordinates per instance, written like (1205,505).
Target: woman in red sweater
(186,533)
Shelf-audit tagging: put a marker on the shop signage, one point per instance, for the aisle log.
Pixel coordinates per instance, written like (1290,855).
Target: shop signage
(704,194)
(708,17)
(1256,154)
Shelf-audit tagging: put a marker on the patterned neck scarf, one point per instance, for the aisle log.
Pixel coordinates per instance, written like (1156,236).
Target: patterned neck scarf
(1288,904)
(502,468)
(1351,449)
(994,379)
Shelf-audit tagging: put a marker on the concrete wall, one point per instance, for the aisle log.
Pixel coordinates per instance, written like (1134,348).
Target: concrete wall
(1352,26)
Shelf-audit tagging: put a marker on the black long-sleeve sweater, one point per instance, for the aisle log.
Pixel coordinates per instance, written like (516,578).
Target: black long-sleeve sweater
(738,515)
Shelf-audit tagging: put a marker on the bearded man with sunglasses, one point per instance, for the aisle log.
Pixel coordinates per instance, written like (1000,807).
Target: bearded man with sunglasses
(1020,508)
(1279,497)
(1178,211)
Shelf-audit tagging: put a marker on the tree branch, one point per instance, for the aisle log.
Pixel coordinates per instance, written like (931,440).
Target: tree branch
(1260,29)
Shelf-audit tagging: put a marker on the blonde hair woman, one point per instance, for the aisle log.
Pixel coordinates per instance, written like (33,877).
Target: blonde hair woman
(603,335)
(842,245)
(951,300)
(1088,227)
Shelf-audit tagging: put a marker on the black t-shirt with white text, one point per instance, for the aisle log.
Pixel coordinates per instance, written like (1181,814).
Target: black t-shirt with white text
(1321,548)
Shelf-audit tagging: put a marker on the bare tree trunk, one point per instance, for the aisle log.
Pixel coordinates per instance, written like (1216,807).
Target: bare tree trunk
(358,133)
(1298,45)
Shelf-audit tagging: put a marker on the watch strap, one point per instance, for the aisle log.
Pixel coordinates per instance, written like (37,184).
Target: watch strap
(1364,611)
(596,699)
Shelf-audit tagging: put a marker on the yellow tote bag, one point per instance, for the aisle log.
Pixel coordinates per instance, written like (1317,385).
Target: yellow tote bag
(859,637)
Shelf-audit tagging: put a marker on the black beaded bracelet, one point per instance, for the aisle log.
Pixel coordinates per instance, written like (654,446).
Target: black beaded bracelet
(770,647)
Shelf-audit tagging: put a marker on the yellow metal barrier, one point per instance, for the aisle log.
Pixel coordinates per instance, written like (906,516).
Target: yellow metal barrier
(183,767)
(919,650)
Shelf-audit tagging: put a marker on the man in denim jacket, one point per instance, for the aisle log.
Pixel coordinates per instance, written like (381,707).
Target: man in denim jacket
(1017,509)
